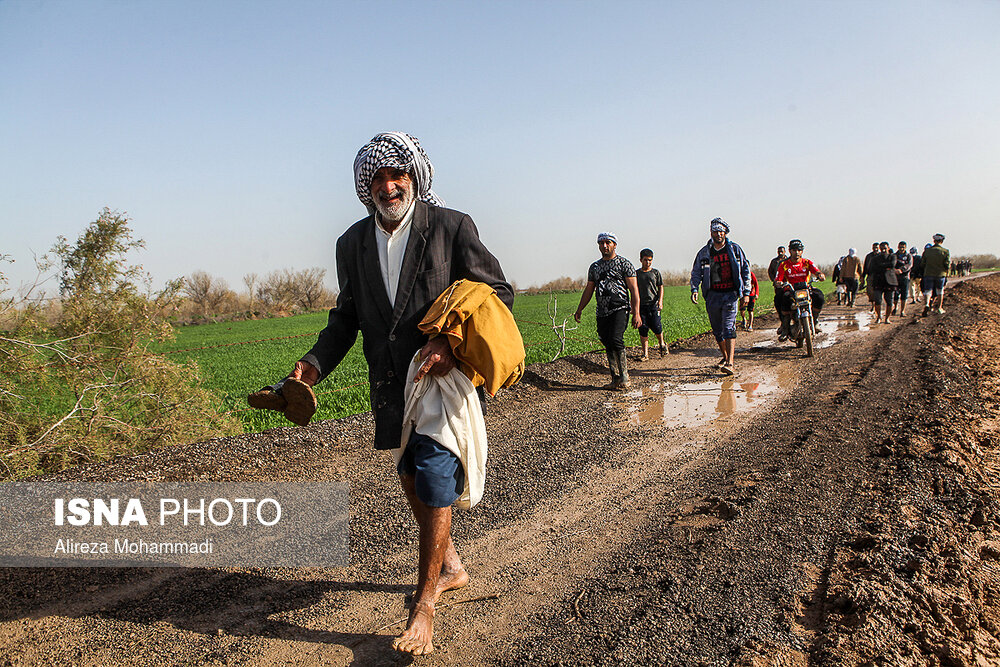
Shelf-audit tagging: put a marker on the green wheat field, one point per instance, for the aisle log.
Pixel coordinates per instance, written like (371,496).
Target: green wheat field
(235,358)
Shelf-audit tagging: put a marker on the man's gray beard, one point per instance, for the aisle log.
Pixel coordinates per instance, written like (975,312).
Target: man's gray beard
(393,212)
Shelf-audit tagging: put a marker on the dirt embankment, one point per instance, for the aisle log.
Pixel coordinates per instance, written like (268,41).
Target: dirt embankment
(835,510)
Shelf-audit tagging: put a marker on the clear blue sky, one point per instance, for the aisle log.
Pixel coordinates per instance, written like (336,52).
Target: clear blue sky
(227,130)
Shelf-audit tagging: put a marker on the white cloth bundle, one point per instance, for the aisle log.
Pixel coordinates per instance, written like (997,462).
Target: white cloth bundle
(448,410)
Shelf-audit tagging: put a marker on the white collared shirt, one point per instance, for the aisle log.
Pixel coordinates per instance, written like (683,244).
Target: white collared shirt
(391,248)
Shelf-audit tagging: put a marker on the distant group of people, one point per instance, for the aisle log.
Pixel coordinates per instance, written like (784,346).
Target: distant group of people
(891,278)
(962,268)
(722,273)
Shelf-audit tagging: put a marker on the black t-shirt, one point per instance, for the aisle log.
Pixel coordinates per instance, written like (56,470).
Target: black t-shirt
(611,291)
(882,270)
(772,269)
(650,283)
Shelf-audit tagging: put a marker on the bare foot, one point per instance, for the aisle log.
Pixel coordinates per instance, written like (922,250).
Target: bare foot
(416,639)
(449,581)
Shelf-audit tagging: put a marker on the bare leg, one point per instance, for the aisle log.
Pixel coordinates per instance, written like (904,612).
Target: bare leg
(722,349)
(453,574)
(663,348)
(729,349)
(439,569)
(878,312)
(645,346)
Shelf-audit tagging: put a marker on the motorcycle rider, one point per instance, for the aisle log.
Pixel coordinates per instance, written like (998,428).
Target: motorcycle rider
(794,274)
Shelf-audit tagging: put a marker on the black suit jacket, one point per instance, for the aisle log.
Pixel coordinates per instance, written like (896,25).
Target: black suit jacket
(444,246)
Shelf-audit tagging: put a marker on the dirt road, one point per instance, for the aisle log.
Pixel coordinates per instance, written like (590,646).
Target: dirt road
(835,510)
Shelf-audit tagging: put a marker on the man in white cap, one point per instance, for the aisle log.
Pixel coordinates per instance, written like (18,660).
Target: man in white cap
(391,266)
(612,278)
(937,261)
(722,271)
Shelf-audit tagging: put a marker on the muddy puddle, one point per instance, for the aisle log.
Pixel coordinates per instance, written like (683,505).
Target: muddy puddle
(697,403)
(833,327)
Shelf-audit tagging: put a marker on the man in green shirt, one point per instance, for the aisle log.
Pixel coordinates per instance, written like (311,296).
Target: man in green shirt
(937,261)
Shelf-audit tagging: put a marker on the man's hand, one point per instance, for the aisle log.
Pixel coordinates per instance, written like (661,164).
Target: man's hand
(821,277)
(636,319)
(437,357)
(744,301)
(576,316)
(694,297)
(306,372)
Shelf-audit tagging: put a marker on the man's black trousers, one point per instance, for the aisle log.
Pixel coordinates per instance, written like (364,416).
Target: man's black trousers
(611,330)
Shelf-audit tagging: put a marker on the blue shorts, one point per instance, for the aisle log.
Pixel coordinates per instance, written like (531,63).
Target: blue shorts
(935,285)
(721,307)
(650,314)
(438,474)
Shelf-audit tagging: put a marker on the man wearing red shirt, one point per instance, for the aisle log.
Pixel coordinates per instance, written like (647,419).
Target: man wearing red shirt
(746,312)
(795,272)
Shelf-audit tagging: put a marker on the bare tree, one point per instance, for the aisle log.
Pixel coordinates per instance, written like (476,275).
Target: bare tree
(288,289)
(209,292)
(559,330)
(251,280)
(277,290)
(309,284)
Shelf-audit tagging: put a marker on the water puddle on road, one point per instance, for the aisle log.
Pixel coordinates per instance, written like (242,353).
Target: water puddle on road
(831,328)
(697,403)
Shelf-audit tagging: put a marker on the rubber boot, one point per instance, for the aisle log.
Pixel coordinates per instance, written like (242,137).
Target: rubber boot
(613,366)
(623,381)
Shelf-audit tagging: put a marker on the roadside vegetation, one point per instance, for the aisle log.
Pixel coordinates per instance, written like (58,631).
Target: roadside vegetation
(78,381)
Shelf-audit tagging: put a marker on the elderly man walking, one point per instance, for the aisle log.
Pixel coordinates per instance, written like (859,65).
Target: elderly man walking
(722,271)
(612,279)
(391,266)
(850,273)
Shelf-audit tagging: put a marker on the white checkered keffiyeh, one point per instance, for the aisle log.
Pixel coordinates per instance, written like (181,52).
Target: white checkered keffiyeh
(400,151)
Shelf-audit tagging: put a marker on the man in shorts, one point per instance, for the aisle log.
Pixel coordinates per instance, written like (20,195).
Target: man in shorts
(937,261)
(722,271)
(612,279)
(746,312)
(650,284)
(391,266)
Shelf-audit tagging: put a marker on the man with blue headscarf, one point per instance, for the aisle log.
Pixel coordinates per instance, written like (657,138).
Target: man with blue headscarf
(722,271)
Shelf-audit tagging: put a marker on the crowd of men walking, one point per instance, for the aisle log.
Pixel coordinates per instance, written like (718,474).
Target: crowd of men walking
(891,279)
(412,265)
(722,273)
